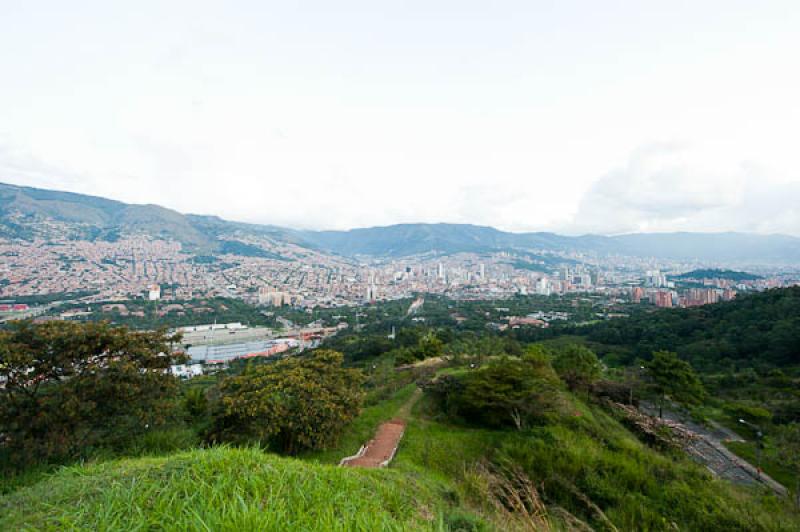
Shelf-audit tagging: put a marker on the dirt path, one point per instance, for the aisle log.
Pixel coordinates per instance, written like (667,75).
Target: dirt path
(380,450)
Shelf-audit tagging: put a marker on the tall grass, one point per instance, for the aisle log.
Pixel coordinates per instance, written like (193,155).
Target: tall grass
(221,489)
(594,469)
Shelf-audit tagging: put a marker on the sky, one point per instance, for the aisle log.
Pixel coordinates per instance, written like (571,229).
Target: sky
(576,117)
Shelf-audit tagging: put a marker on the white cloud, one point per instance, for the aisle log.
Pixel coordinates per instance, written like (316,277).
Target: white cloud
(675,187)
(361,115)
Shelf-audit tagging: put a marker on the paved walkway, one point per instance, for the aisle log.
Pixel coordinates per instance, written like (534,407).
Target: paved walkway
(380,450)
(708,449)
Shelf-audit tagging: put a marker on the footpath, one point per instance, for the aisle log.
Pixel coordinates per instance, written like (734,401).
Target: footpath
(708,448)
(380,450)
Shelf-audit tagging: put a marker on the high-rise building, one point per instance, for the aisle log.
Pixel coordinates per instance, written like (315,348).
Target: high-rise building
(371,292)
(637,293)
(656,279)
(662,298)
(543,286)
(154,294)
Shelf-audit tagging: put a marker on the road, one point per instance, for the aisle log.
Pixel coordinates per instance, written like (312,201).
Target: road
(709,449)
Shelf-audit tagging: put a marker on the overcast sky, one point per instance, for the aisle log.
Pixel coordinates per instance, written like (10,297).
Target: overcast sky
(602,117)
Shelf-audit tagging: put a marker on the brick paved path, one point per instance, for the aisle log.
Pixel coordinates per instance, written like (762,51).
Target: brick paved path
(379,451)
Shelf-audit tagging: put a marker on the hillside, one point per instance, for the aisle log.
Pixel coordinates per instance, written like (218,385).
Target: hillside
(712,273)
(220,489)
(497,437)
(21,206)
(756,330)
(24,211)
(587,468)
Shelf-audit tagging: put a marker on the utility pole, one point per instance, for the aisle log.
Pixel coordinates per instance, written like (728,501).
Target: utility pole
(759,443)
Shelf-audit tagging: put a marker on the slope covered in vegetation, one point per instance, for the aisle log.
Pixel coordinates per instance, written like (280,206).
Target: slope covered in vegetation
(220,489)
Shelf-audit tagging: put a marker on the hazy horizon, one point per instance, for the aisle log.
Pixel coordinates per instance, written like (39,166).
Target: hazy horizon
(572,118)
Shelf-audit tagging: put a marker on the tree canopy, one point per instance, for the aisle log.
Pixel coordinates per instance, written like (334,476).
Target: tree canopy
(674,379)
(291,405)
(72,386)
(578,366)
(508,392)
(753,330)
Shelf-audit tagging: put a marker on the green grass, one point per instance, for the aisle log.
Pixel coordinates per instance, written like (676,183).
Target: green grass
(592,457)
(582,462)
(12,480)
(222,489)
(773,468)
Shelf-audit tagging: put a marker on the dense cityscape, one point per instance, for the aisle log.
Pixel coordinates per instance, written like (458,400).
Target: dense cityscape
(143,267)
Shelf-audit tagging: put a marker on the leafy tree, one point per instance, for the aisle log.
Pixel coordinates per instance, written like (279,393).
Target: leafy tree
(71,386)
(429,346)
(506,392)
(404,355)
(292,405)
(196,403)
(673,378)
(578,366)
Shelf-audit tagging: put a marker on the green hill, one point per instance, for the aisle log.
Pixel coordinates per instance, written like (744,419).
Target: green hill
(730,275)
(586,468)
(220,489)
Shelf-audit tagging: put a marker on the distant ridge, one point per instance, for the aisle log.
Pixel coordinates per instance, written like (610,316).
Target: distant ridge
(409,239)
(99,218)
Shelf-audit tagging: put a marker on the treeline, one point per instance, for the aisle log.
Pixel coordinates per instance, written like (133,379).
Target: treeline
(194,312)
(74,391)
(760,331)
(413,343)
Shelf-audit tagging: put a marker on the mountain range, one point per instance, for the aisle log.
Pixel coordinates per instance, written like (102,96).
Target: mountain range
(24,211)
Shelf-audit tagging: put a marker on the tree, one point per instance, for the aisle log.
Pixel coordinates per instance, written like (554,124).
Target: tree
(291,405)
(673,379)
(429,346)
(70,387)
(506,392)
(578,366)
(196,403)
